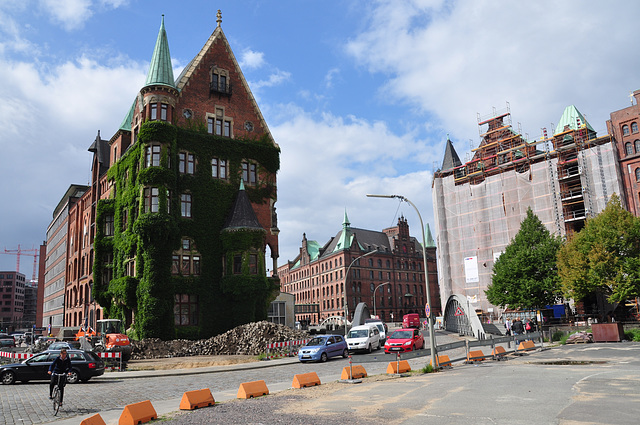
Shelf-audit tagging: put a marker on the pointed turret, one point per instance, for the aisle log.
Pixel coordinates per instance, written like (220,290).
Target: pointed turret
(571,119)
(242,214)
(160,69)
(429,243)
(451,159)
(346,237)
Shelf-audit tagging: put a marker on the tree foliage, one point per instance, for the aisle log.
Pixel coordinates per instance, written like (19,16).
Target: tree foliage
(525,275)
(604,256)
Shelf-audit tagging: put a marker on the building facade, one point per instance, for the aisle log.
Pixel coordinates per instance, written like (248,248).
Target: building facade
(388,265)
(12,294)
(564,178)
(623,126)
(151,241)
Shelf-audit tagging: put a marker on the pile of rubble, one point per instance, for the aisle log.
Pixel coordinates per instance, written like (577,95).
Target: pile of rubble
(580,337)
(250,339)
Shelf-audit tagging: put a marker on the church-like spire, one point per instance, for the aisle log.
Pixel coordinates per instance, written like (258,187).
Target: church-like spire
(430,243)
(346,237)
(242,215)
(160,69)
(451,159)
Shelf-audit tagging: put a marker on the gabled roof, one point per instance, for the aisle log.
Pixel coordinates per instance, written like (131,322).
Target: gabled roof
(160,69)
(218,36)
(242,215)
(100,147)
(570,117)
(451,159)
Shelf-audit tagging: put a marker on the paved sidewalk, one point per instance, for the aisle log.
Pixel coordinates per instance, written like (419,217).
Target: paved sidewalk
(586,384)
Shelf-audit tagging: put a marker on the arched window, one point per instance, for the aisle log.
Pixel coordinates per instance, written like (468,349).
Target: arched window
(625,130)
(638,174)
(637,143)
(634,127)
(628,148)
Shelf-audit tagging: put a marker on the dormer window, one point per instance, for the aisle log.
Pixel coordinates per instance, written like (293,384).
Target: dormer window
(220,82)
(164,111)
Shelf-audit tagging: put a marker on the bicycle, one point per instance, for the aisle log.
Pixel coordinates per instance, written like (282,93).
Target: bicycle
(56,392)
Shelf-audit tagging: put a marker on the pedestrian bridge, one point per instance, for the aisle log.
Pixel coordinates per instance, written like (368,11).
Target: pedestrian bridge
(460,317)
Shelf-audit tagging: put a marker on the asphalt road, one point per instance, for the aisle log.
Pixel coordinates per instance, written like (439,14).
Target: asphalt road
(588,383)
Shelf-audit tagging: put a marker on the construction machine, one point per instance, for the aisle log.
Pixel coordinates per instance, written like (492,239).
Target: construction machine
(108,337)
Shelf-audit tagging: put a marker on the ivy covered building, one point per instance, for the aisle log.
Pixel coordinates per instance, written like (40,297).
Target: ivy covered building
(184,222)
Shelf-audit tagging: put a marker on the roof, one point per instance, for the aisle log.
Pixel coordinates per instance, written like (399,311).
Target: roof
(451,159)
(242,214)
(346,237)
(430,243)
(160,69)
(101,148)
(571,117)
(128,119)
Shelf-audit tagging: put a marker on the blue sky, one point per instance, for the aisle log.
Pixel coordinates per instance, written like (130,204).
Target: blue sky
(360,95)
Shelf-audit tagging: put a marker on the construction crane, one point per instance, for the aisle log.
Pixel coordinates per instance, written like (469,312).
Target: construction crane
(18,252)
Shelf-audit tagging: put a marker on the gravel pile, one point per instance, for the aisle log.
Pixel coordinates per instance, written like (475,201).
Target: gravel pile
(250,339)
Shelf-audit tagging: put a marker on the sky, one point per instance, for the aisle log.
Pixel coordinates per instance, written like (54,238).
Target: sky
(360,95)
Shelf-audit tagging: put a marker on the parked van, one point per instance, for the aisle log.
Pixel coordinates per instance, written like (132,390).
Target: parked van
(411,320)
(382,327)
(364,338)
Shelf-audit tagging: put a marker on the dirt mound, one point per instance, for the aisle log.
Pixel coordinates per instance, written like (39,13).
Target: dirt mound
(250,339)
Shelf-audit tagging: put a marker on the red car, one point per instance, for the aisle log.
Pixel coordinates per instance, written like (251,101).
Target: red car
(404,340)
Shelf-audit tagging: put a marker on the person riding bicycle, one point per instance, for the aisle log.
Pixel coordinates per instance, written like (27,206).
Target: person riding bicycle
(61,365)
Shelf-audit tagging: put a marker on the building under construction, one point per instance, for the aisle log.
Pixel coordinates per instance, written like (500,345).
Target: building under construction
(564,178)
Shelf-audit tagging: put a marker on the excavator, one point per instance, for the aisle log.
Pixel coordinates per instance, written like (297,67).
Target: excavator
(107,337)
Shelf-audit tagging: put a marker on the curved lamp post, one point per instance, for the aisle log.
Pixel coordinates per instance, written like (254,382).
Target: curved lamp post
(374,296)
(344,293)
(432,340)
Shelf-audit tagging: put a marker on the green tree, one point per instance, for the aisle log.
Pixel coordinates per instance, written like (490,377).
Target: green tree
(525,275)
(604,256)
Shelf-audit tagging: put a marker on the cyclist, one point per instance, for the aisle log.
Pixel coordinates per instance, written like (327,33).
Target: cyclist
(61,365)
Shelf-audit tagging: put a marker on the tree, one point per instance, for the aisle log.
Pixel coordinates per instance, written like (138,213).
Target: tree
(525,275)
(603,256)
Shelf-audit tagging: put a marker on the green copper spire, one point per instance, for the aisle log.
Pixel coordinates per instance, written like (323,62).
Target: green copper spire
(160,70)
(345,236)
(430,243)
(572,117)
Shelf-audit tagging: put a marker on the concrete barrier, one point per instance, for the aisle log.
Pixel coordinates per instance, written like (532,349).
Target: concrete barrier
(398,367)
(526,345)
(93,420)
(305,380)
(197,398)
(475,356)
(357,372)
(138,413)
(499,352)
(252,389)
(443,361)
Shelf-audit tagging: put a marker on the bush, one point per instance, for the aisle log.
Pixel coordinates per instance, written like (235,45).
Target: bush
(632,335)
(427,369)
(557,336)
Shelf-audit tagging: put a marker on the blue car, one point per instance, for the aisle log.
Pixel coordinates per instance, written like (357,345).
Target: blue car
(321,347)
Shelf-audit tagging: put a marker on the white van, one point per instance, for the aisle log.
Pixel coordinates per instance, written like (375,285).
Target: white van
(364,338)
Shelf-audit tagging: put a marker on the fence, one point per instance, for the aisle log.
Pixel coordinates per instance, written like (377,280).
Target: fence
(22,356)
(286,348)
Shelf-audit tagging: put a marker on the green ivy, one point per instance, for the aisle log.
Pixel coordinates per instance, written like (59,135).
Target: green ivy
(151,238)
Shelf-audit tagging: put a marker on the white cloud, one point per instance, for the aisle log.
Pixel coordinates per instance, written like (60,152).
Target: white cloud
(251,59)
(275,79)
(331,76)
(71,14)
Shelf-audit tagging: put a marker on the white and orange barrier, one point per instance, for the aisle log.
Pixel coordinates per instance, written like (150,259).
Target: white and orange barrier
(290,346)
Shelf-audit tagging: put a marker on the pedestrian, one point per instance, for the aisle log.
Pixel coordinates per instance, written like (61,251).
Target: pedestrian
(507,325)
(61,365)
(528,326)
(517,327)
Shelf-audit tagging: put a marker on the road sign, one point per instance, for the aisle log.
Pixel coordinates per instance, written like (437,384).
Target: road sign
(427,310)
(459,312)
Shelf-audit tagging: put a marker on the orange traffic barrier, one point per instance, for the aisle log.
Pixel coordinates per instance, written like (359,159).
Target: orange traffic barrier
(137,413)
(475,356)
(527,345)
(357,372)
(197,398)
(398,367)
(252,389)
(499,351)
(305,380)
(443,361)
(93,420)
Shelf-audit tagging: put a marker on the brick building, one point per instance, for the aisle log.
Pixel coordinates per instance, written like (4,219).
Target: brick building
(151,240)
(623,126)
(12,291)
(391,267)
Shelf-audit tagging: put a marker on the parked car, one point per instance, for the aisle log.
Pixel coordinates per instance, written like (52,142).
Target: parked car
(84,366)
(321,347)
(18,336)
(403,340)
(364,338)
(411,320)
(7,341)
(69,345)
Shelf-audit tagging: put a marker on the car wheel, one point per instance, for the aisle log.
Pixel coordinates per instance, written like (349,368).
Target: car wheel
(345,353)
(8,377)
(323,357)
(369,349)
(73,377)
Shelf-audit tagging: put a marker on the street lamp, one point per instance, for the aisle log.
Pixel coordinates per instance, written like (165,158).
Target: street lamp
(374,296)
(344,292)
(432,341)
